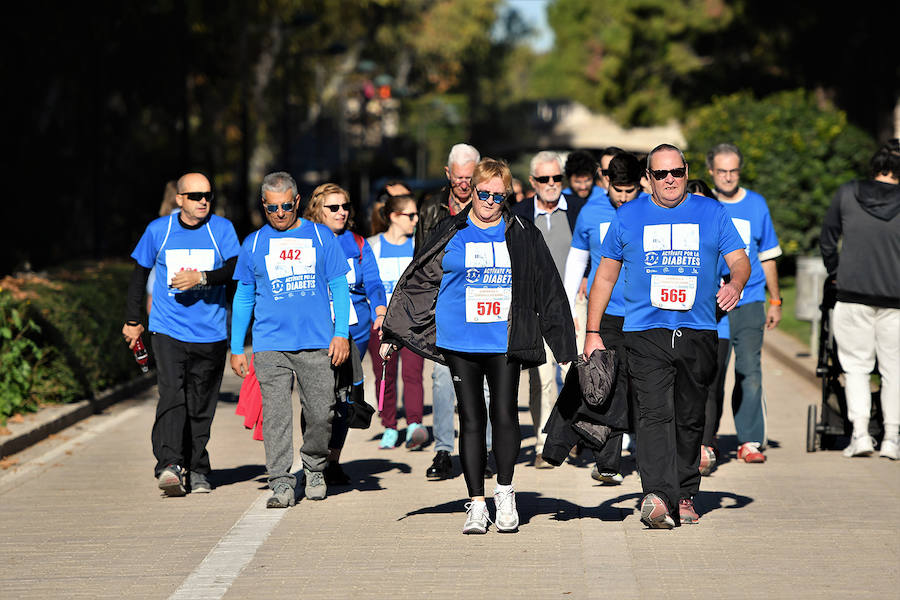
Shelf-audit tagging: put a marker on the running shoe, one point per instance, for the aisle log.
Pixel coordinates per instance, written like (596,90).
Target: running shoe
(388,439)
(282,497)
(707,460)
(607,477)
(416,436)
(171,481)
(507,518)
(686,511)
(750,452)
(441,467)
(890,449)
(654,513)
(315,485)
(476,517)
(200,484)
(862,445)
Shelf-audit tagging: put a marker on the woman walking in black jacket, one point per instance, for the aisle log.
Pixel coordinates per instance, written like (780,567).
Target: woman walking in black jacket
(481,296)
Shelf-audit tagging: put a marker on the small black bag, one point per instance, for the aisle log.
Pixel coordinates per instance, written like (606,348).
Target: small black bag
(359,412)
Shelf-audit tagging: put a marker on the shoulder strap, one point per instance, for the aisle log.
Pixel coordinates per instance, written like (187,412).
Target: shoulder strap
(360,240)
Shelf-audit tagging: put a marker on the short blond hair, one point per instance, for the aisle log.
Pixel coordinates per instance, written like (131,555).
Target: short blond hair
(488,168)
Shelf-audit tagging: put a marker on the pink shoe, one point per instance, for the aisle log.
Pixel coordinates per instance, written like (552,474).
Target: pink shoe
(707,460)
(750,452)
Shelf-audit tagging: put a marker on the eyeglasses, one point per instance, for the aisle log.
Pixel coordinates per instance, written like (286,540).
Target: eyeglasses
(285,206)
(604,172)
(663,173)
(334,207)
(495,198)
(198,196)
(732,172)
(411,216)
(457,180)
(546,178)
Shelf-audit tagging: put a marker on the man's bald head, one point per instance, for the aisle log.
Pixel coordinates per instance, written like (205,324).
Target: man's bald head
(193,182)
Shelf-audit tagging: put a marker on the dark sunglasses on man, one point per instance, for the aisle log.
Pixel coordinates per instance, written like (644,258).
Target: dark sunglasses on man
(546,178)
(661,174)
(198,196)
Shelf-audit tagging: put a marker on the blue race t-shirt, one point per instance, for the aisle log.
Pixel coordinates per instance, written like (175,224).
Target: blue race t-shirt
(290,271)
(366,290)
(392,261)
(590,229)
(669,261)
(196,315)
(753,222)
(473,302)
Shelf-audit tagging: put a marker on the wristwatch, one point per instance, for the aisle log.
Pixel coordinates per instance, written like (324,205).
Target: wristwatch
(203,280)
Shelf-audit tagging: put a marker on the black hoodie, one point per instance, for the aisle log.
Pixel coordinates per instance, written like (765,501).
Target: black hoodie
(865,215)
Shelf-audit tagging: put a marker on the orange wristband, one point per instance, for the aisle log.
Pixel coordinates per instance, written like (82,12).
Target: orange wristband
(775,301)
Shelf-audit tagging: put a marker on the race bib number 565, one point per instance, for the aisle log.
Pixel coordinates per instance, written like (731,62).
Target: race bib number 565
(673,292)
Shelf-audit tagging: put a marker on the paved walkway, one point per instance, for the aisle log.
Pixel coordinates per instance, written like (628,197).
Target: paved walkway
(82,518)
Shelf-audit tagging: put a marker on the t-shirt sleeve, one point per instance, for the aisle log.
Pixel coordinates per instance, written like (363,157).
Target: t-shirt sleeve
(581,235)
(230,245)
(147,248)
(768,241)
(243,271)
(612,243)
(729,238)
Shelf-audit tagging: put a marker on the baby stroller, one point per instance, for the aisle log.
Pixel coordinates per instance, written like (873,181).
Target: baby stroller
(824,426)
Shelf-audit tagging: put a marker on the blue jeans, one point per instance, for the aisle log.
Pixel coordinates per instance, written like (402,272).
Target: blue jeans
(747,325)
(443,399)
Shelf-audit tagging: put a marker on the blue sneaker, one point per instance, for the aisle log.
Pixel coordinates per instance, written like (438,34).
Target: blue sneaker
(416,436)
(388,439)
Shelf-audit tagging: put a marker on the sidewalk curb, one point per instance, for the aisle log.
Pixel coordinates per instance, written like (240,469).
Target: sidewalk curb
(39,427)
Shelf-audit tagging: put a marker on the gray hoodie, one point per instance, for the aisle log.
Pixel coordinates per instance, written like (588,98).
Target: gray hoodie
(865,215)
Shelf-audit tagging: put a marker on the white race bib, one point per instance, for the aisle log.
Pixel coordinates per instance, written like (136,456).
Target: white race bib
(290,256)
(673,292)
(487,305)
(188,260)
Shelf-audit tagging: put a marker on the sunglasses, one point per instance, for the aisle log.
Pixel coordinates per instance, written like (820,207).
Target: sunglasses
(410,216)
(285,206)
(198,196)
(663,173)
(495,198)
(546,178)
(334,207)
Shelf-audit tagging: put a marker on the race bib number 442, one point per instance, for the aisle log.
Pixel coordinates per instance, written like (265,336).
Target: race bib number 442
(673,292)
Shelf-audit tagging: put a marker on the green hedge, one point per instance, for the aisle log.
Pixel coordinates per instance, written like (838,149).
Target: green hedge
(60,335)
(797,150)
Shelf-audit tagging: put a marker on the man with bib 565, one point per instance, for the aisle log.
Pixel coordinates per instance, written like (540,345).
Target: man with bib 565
(668,246)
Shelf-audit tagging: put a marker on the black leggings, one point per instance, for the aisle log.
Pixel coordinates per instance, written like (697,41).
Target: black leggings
(468,371)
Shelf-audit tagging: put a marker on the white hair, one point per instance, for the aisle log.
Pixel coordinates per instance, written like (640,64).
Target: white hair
(462,154)
(546,156)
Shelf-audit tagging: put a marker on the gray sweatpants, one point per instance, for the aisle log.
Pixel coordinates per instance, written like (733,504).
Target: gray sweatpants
(275,371)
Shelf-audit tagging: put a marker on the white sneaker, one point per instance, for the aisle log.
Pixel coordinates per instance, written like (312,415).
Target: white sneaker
(476,517)
(507,519)
(890,449)
(860,446)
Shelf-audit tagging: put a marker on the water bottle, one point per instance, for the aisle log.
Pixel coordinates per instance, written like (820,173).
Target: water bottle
(141,356)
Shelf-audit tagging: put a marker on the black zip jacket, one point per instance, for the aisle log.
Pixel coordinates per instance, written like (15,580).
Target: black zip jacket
(538,310)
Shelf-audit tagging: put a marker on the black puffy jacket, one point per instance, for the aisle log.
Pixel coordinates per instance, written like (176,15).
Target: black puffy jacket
(538,310)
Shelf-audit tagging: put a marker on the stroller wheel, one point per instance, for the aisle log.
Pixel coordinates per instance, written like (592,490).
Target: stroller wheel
(811,422)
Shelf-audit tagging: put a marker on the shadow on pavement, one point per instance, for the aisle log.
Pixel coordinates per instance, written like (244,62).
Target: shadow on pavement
(706,502)
(363,475)
(220,477)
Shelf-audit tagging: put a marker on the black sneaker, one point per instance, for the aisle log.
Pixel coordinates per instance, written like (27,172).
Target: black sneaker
(335,475)
(171,481)
(441,467)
